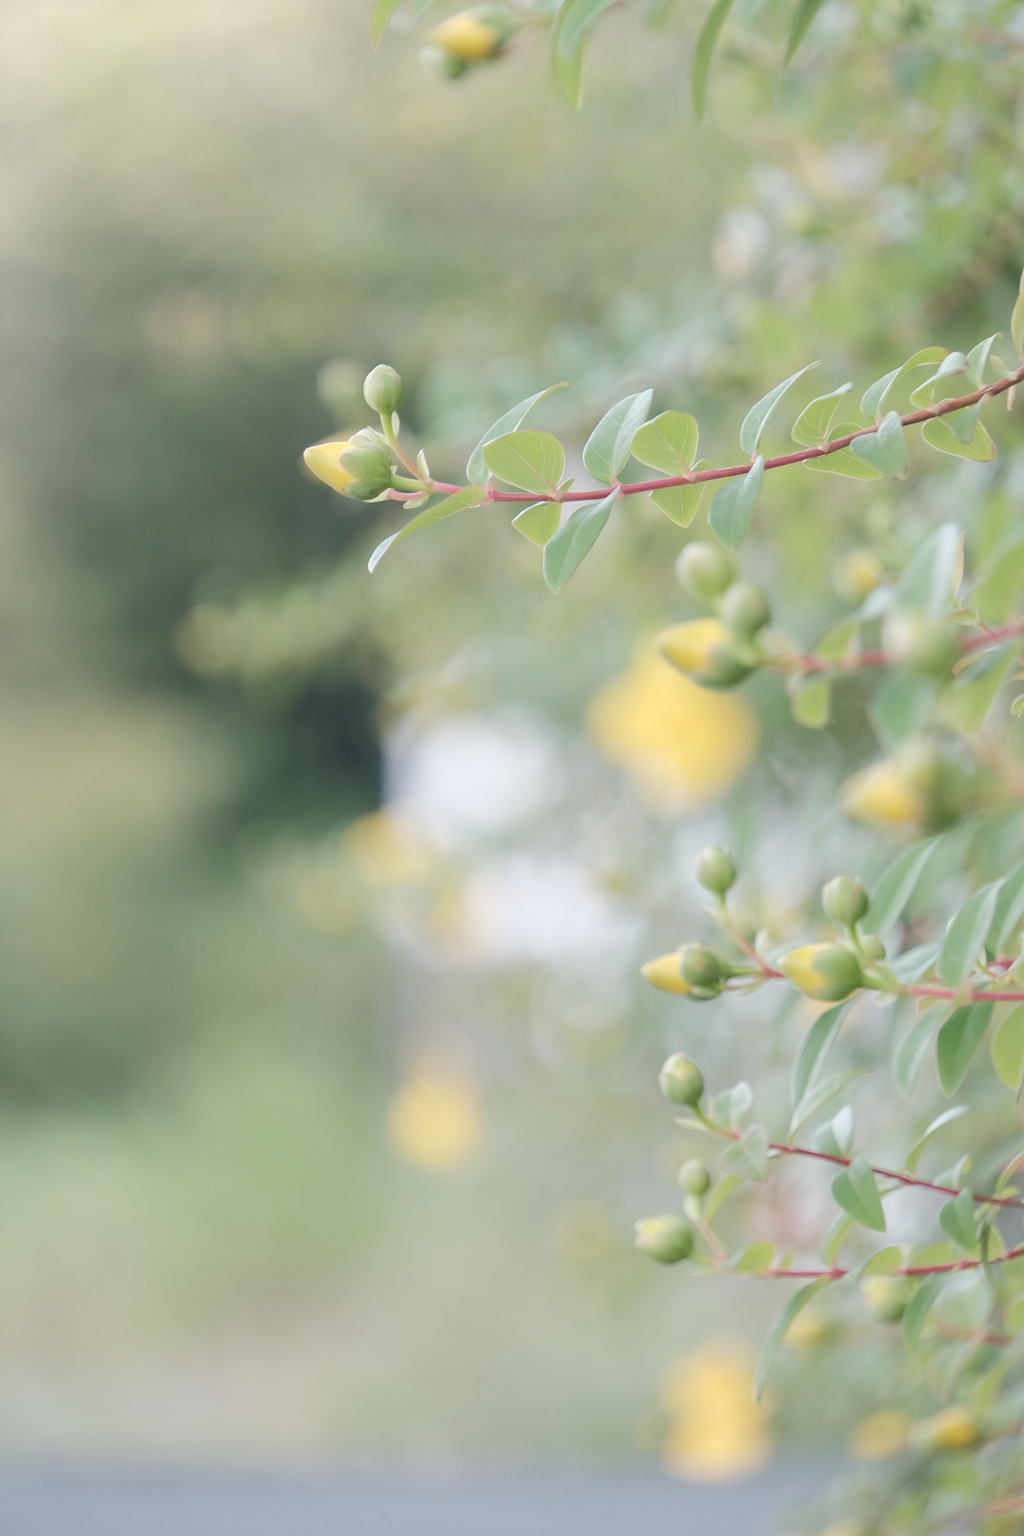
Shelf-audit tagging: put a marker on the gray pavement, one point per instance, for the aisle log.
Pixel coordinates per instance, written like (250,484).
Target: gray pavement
(62,1501)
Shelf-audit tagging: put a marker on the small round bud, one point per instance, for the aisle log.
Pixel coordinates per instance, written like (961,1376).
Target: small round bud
(705,570)
(703,970)
(745,609)
(472,36)
(953,1429)
(383,390)
(856,574)
(716,870)
(885,1297)
(665,1238)
(827,972)
(845,900)
(681,1081)
(873,947)
(706,651)
(920,641)
(694,1178)
(664,974)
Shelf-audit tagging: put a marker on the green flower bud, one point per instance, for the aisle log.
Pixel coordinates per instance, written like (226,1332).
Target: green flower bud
(873,947)
(383,390)
(920,641)
(706,651)
(368,458)
(694,1178)
(845,900)
(441,61)
(681,1081)
(705,570)
(716,870)
(827,972)
(666,1238)
(704,971)
(745,609)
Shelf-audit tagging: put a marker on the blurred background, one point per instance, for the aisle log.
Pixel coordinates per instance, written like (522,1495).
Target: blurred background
(327,1082)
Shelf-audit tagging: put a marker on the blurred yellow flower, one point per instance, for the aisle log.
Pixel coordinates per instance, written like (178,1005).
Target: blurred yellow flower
(807,1332)
(857,573)
(880,1434)
(716,1430)
(951,1429)
(435,1121)
(387,850)
(684,745)
(884,795)
(466,36)
(324,461)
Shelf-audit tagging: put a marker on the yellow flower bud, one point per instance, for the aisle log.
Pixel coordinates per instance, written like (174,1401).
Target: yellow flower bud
(706,651)
(664,974)
(324,461)
(857,574)
(828,972)
(954,1429)
(467,37)
(884,795)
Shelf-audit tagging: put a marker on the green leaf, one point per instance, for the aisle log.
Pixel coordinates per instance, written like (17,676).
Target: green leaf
(805,13)
(819,1096)
(1008,1049)
(756,418)
(885,1262)
(733,506)
(780,1328)
(668,443)
(919,1306)
(952,364)
(940,434)
(885,448)
(914,1155)
(539,521)
(933,572)
(856,1191)
(836,1137)
(844,461)
(680,502)
(380,15)
(754,1260)
(573,21)
(568,73)
(912,1049)
(607,447)
(901,705)
(706,40)
(810,700)
(1009,908)
(574,541)
(896,885)
(998,583)
(872,402)
(719,1195)
(957,1041)
(956,1218)
(977,359)
(965,936)
(810,429)
(534,461)
(835,1237)
(749,1156)
(915,963)
(476,469)
(732,1106)
(469,496)
(813,1048)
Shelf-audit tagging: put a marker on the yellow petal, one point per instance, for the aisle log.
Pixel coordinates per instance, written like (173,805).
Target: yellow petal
(798,965)
(663,973)
(466,36)
(883,794)
(323,460)
(690,646)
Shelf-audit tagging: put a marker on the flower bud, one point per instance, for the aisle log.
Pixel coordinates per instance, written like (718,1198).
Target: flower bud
(828,972)
(368,459)
(694,1178)
(705,570)
(706,651)
(324,461)
(440,62)
(919,640)
(704,971)
(856,574)
(952,1429)
(664,974)
(885,795)
(666,1238)
(383,390)
(716,870)
(681,1080)
(745,609)
(469,36)
(845,900)
(872,946)
(885,1297)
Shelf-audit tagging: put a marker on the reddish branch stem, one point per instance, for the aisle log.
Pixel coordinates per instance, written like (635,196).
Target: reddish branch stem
(837,1273)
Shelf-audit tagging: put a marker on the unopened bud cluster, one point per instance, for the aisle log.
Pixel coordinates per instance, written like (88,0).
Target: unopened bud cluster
(718,652)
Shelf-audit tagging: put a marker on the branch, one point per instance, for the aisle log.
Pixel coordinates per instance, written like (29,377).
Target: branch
(806,663)
(837,1273)
(732,471)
